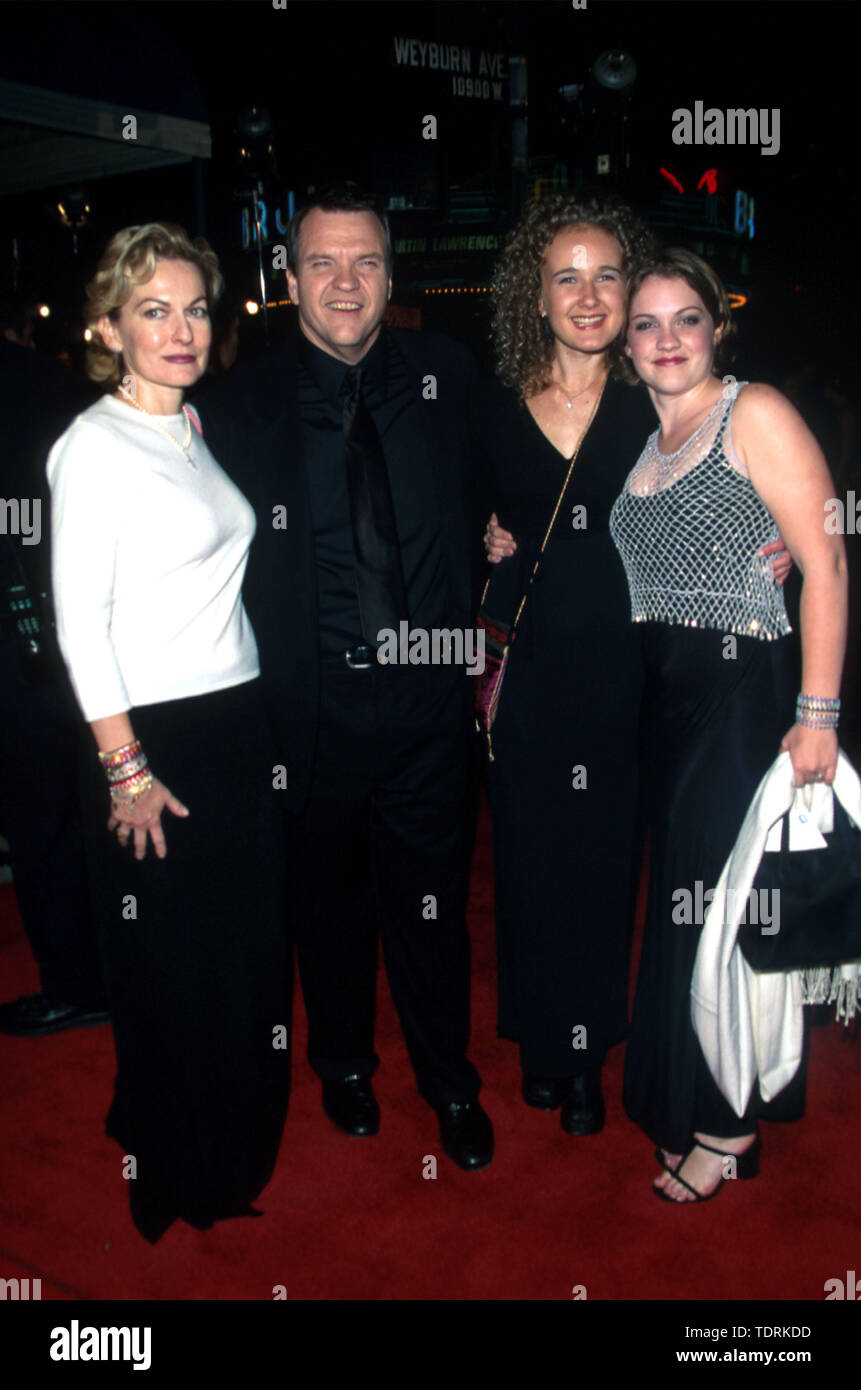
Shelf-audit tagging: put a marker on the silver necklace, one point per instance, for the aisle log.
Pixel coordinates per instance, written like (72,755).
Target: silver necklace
(571,399)
(185,446)
(692,438)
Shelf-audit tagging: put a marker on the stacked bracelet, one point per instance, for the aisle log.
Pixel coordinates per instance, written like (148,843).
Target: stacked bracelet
(817,712)
(117,756)
(128,773)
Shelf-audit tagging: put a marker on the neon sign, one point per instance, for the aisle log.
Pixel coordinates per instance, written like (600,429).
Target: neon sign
(248,235)
(743,221)
(743,209)
(709,178)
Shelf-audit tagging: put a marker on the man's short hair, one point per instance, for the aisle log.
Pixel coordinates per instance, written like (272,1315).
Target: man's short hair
(344,197)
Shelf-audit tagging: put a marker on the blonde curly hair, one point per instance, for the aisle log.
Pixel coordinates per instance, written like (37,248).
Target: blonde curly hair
(523,341)
(129,260)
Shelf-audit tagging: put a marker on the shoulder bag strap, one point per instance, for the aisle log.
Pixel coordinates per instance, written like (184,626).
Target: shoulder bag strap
(552,521)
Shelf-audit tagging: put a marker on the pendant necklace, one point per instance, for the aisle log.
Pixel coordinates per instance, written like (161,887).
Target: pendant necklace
(182,447)
(569,400)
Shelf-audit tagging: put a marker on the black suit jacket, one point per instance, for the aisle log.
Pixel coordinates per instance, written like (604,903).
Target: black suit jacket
(252,425)
(39,399)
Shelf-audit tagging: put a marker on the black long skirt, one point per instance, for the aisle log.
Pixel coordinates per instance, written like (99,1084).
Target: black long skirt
(563,789)
(196,963)
(717,709)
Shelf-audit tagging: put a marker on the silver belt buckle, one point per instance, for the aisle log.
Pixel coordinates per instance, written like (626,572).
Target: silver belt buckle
(360,658)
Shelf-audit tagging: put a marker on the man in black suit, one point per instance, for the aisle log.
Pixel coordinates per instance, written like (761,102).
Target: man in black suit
(353,447)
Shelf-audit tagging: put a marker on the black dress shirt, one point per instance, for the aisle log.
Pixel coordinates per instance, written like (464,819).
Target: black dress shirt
(391,398)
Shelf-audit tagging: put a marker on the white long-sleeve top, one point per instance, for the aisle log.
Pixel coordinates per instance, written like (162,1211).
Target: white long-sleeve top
(749,1023)
(148,558)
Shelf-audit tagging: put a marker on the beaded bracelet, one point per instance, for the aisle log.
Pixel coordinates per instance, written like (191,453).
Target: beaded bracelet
(119,755)
(126,793)
(817,712)
(120,775)
(123,784)
(127,769)
(128,773)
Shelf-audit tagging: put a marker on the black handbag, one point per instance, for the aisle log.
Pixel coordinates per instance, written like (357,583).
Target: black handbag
(813,898)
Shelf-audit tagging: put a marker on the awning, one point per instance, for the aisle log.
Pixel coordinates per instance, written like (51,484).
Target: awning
(50,139)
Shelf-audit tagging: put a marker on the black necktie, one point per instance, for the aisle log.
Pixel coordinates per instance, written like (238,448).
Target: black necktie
(379,573)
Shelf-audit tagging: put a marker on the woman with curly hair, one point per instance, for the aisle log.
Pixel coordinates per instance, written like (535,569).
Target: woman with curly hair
(563,775)
(150,541)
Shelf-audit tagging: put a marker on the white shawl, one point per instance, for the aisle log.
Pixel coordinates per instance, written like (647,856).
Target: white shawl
(749,1024)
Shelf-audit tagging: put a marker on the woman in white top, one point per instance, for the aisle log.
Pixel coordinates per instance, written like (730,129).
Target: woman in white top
(150,542)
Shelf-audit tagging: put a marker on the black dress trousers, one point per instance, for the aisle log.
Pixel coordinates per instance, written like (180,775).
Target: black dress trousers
(197,965)
(380,849)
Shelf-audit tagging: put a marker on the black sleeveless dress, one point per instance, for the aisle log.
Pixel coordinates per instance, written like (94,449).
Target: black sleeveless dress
(563,782)
(716,706)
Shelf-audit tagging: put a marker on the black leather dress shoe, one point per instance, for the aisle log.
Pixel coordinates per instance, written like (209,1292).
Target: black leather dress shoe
(544,1092)
(35,1015)
(352,1106)
(583,1107)
(466,1134)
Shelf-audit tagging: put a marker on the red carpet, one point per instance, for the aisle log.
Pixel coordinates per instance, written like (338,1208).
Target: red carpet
(351,1219)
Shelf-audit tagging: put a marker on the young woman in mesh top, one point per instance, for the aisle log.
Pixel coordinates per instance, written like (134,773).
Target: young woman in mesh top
(731,466)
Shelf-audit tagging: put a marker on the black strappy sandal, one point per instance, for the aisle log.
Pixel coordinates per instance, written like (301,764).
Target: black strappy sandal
(746,1166)
(661,1158)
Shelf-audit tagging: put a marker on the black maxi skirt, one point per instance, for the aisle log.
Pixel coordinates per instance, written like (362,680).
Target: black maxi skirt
(195,956)
(717,709)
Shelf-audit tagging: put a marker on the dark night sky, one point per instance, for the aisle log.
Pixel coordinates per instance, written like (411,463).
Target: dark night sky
(325,72)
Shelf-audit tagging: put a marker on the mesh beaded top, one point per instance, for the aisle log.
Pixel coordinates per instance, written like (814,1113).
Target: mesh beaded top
(688,527)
